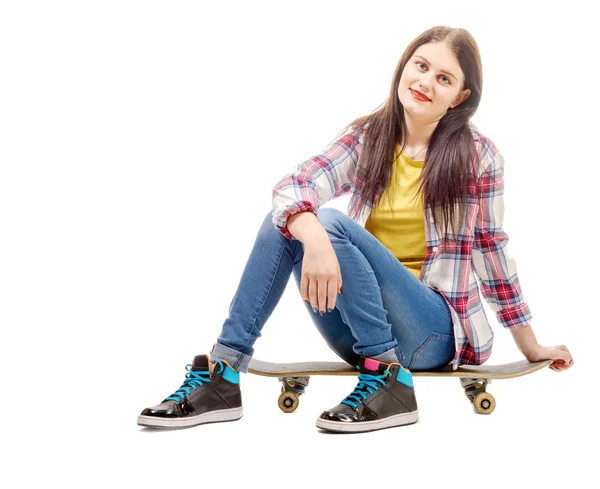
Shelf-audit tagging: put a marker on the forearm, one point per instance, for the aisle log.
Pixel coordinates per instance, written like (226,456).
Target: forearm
(306,227)
(524,338)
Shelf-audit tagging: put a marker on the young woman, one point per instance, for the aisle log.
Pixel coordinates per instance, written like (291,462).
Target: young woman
(422,238)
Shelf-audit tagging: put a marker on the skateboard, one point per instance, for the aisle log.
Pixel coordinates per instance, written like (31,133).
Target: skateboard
(474,379)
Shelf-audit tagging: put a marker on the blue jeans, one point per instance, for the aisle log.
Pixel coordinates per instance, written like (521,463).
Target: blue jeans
(385,312)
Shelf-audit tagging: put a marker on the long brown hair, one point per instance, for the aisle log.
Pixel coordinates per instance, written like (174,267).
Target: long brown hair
(450,158)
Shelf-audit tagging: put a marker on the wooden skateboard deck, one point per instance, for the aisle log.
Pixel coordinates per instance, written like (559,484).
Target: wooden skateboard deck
(474,378)
(502,371)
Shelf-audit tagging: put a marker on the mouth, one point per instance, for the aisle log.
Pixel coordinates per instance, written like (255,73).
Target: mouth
(419,96)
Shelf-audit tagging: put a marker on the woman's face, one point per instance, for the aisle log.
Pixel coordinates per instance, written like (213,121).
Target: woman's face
(435,72)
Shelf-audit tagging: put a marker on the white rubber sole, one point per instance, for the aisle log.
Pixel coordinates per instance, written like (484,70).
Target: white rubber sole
(358,427)
(209,417)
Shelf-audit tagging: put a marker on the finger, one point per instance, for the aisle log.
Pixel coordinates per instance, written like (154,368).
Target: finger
(560,355)
(312,293)
(561,365)
(304,288)
(322,294)
(566,357)
(569,357)
(331,295)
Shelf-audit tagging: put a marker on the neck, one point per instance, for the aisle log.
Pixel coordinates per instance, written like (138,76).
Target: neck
(419,133)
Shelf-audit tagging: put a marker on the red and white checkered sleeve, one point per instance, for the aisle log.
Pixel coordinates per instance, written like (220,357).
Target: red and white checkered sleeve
(321,178)
(491,259)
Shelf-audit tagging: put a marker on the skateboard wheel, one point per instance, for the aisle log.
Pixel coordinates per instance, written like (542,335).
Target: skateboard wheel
(288,402)
(484,403)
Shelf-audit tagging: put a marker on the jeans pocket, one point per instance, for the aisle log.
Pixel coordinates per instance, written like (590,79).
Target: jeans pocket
(436,351)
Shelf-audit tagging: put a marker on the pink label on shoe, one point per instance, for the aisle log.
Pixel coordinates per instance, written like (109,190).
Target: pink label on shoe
(371,364)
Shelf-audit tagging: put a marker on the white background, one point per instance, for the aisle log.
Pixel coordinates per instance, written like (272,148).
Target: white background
(140,142)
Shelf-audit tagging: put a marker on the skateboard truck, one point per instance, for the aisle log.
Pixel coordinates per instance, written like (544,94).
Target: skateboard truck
(291,388)
(483,402)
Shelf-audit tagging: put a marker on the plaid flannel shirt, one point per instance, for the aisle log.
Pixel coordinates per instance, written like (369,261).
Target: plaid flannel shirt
(479,260)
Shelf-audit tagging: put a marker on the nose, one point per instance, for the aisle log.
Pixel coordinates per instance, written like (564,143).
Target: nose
(425,84)
(424,88)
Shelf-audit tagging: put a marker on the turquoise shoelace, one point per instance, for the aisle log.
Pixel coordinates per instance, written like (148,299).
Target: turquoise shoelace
(367,384)
(193,380)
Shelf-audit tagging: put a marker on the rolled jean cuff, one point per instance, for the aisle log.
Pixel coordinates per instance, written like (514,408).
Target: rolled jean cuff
(390,356)
(236,359)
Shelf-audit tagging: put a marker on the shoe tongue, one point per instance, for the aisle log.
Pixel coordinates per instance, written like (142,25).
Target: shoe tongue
(200,363)
(370,366)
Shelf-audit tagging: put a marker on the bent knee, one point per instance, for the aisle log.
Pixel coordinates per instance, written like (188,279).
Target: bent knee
(329,215)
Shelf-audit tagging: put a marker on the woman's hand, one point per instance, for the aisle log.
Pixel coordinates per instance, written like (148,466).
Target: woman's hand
(561,356)
(321,276)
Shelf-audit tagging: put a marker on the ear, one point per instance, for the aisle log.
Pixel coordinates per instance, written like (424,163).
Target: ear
(462,97)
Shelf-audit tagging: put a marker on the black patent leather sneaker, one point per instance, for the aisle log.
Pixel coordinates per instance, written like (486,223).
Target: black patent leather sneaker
(383,398)
(211,393)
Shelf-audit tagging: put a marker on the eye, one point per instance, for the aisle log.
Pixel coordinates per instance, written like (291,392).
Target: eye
(447,82)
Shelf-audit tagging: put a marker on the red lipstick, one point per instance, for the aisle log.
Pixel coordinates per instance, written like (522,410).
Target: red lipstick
(419,96)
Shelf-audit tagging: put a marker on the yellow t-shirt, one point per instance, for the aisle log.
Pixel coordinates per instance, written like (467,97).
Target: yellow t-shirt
(403,232)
